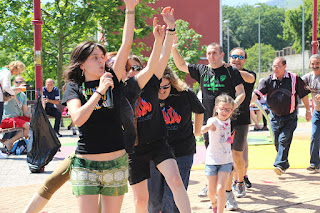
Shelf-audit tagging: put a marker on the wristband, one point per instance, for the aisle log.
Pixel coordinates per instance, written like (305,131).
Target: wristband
(129,12)
(98,93)
(235,101)
(171,30)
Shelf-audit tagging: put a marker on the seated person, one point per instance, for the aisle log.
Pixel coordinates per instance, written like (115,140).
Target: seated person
(51,98)
(16,113)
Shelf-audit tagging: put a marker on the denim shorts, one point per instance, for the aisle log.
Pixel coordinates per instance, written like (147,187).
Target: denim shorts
(212,170)
(109,178)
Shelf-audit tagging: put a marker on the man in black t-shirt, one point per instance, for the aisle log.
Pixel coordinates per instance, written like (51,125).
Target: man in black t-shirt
(214,79)
(238,58)
(283,89)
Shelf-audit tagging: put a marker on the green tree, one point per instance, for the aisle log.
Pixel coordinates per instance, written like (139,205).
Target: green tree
(66,24)
(267,56)
(244,26)
(188,46)
(292,26)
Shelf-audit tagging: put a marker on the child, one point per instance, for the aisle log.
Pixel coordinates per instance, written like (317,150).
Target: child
(219,155)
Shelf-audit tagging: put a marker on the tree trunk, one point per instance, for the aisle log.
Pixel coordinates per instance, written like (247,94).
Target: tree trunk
(60,60)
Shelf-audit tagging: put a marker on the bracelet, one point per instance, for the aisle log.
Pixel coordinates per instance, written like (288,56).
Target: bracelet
(308,111)
(171,30)
(129,12)
(235,101)
(98,93)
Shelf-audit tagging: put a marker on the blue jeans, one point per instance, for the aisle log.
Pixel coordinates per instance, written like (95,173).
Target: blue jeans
(283,128)
(315,139)
(160,195)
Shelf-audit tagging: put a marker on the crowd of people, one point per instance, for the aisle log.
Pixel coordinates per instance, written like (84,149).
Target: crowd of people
(147,135)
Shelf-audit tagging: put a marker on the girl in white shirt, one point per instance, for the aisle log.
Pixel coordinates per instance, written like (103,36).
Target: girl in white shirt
(219,155)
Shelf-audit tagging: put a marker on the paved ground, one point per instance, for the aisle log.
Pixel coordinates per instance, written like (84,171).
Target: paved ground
(297,191)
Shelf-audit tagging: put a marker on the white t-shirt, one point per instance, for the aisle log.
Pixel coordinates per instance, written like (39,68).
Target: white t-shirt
(313,82)
(219,149)
(5,82)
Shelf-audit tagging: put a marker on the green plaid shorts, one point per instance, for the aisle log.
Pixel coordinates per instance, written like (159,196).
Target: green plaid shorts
(108,178)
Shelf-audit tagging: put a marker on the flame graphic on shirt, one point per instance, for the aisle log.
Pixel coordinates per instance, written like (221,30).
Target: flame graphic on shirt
(171,116)
(143,108)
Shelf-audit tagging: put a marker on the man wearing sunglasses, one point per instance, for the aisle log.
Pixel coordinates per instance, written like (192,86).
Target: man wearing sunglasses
(237,58)
(283,89)
(214,79)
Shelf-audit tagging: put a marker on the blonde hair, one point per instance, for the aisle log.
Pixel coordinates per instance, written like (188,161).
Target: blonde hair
(174,80)
(226,99)
(18,65)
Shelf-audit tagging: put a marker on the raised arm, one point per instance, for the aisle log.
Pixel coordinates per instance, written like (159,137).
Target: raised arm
(144,75)
(168,17)
(177,58)
(127,39)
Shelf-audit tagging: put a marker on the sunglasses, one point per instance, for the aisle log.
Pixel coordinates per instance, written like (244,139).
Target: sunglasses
(227,110)
(19,82)
(136,68)
(165,86)
(237,56)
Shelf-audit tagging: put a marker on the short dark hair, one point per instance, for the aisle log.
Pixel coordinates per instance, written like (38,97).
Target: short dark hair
(282,59)
(239,48)
(215,44)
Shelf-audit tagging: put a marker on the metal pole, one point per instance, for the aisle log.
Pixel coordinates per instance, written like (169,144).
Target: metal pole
(228,43)
(303,41)
(259,46)
(258,6)
(37,22)
(314,42)
(228,40)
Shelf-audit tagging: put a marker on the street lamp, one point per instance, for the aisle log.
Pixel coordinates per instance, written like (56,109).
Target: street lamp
(258,6)
(303,38)
(227,22)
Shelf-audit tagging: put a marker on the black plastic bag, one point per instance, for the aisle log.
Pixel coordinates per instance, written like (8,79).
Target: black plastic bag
(43,142)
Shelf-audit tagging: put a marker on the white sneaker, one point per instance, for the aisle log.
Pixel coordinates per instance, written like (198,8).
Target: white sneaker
(3,155)
(231,203)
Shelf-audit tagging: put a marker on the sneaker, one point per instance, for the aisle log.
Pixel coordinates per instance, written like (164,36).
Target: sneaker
(231,203)
(240,190)
(247,181)
(278,170)
(74,131)
(3,155)
(204,192)
(58,134)
(313,168)
(234,184)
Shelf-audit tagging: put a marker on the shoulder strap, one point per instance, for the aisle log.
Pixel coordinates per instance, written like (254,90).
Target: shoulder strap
(293,91)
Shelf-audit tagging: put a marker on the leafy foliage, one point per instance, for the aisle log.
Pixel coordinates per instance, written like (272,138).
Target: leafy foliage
(292,26)
(267,56)
(188,46)
(66,24)
(243,26)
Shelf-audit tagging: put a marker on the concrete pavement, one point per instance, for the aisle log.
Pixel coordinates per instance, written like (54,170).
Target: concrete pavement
(297,191)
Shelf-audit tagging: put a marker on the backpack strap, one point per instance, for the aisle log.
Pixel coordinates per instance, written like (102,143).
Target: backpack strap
(293,91)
